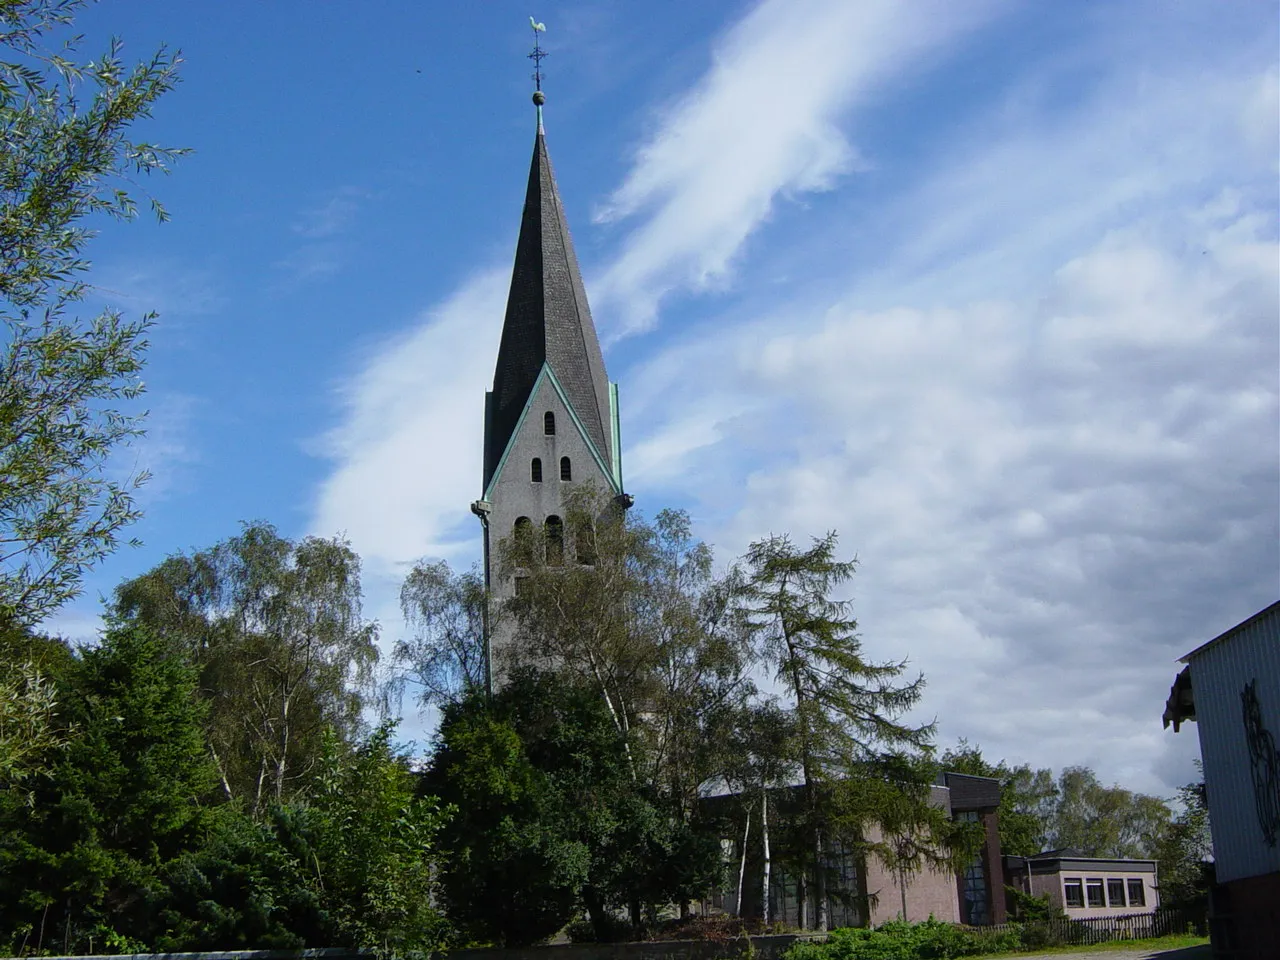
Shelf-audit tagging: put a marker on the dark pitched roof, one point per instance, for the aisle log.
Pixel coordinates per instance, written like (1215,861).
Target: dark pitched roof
(548,320)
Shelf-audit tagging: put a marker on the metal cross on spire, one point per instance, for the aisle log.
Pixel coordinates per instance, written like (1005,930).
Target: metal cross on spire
(536,57)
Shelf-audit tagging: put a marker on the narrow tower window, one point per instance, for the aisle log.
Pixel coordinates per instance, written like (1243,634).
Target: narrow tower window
(584,543)
(566,469)
(549,424)
(555,541)
(535,470)
(522,542)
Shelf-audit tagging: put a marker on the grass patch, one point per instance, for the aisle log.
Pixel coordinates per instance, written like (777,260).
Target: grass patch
(1172,942)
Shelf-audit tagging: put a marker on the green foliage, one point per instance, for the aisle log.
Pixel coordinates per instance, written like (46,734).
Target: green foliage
(1184,851)
(350,867)
(1027,798)
(510,874)
(120,801)
(444,659)
(929,940)
(846,708)
(549,818)
(1028,909)
(1102,821)
(284,653)
(1074,811)
(66,384)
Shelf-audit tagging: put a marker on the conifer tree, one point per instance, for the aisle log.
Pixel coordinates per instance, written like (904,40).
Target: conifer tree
(847,708)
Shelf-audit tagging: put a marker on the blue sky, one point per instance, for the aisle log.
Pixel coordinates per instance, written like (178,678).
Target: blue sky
(990,288)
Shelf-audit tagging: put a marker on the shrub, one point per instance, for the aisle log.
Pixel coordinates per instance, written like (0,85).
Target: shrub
(896,940)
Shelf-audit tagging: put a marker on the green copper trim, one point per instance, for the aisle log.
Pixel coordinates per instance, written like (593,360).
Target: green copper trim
(615,434)
(549,374)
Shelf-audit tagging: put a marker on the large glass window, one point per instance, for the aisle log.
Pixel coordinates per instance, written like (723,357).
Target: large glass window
(1137,892)
(1093,892)
(1115,892)
(1073,892)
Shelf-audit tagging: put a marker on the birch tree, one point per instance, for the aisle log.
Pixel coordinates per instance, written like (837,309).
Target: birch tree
(276,629)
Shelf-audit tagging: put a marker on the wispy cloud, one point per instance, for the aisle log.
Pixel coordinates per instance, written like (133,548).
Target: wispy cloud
(1036,393)
(332,214)
(406,452)
(322,253)
(762,122)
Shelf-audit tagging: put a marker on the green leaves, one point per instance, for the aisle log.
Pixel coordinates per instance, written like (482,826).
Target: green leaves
(284,651)
(65,383)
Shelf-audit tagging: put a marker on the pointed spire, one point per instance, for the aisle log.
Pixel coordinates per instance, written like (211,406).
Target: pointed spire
(547,321)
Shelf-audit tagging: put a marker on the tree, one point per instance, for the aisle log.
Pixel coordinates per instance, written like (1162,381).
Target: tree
(549,818)
(445,657)
(760,759)
(510,873)
(846,707)
(351,866)
(1185,850)
(119,802)
(645,623)
(1102,821)
(284,652)
(1027,798)
(66,384)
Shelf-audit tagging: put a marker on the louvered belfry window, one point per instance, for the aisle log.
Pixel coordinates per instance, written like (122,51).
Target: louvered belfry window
(549,424)
(535,470)
(566,469)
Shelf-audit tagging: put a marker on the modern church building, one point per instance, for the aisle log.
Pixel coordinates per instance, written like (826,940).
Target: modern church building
(551,420)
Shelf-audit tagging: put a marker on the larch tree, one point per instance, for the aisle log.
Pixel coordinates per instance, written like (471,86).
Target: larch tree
(847,708)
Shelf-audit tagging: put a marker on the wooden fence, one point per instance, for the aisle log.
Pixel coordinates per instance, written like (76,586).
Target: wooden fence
(1091,930)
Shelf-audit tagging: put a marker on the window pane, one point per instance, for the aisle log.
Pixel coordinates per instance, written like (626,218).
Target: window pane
(1073,890)
(1137,893)
(1115,892)
(1094,890)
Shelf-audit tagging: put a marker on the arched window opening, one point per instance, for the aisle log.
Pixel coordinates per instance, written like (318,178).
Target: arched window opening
(535,470)
(549,424)
(522,541)
(555,541)
(566,469)
(584,544)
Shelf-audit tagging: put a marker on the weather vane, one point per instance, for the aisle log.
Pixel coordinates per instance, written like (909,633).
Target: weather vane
(536,57)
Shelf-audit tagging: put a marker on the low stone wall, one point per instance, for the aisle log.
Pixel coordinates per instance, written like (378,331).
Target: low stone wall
(763,947)
(313,953)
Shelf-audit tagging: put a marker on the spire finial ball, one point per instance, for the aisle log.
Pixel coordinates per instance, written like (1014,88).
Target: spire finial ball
(539,97)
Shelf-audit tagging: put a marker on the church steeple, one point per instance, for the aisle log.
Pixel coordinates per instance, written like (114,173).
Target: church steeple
(551,424)
(548,321)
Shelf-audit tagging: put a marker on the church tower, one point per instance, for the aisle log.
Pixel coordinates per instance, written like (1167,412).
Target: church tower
(551,419)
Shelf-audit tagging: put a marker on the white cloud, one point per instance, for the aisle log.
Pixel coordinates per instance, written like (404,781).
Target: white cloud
(1052,498)
(407,448)
(1041,404)
(330,215)
(762,122)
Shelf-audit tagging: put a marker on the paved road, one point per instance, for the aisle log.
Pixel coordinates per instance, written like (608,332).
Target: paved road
(1139,953)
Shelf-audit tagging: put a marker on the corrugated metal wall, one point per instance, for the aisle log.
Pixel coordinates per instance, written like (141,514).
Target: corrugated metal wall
(1219,674)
